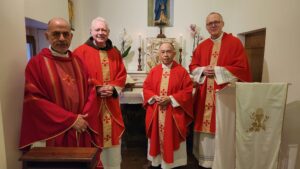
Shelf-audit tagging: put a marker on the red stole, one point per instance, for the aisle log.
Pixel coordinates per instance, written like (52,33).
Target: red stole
(176,119)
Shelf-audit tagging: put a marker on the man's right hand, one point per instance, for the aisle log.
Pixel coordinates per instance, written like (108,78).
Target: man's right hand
(164,100)
(105,91)
(209,71)
(156,98)
(81,124)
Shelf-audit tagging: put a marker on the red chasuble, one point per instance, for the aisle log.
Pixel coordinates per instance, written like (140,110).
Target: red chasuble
(56,91)
(91,57)
(176,119)
(232,57)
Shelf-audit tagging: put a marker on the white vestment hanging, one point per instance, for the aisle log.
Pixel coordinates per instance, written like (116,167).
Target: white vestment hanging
(225,129)
(259,118)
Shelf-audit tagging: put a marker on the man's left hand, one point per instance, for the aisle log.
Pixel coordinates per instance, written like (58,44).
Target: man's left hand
(164,100)
(105,91)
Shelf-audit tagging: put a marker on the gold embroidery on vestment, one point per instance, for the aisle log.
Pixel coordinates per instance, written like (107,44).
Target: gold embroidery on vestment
(105,66)
(209,100)
(162,109)
(259,119)
(106,115)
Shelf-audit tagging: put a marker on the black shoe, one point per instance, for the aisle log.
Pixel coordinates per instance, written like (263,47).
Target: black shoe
(154,167)
(200,167)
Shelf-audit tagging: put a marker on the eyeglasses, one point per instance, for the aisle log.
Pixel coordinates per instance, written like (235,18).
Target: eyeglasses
(57,34)
(214,23)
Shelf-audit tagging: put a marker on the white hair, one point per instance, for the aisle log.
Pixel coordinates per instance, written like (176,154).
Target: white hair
(99,19)
(217,13)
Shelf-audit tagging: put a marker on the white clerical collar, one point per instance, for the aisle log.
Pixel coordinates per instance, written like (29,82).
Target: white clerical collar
(167,66)
(219,38)
(54,53)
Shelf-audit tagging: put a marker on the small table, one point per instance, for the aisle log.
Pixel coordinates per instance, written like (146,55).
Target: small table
(60,158)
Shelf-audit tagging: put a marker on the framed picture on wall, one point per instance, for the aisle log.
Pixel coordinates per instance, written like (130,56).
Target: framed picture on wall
(71,13)
(160,12)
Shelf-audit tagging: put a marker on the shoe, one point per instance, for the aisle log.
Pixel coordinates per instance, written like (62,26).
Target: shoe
(154,167)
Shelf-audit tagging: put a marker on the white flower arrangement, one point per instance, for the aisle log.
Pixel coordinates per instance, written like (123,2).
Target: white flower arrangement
(195,33)
(125,42)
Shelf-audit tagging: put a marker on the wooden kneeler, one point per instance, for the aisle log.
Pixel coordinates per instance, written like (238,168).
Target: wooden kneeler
(60,158)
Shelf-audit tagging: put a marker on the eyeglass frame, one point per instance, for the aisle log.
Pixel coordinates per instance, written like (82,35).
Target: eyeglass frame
(216,23)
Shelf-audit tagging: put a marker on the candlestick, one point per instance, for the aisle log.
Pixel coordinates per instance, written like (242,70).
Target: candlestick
(180,55)
(180,41)
(139,60)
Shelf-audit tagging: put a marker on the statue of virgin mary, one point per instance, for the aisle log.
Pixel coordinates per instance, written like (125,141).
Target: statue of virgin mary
(160,12)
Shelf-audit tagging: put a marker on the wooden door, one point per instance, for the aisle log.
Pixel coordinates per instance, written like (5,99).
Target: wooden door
(255,47)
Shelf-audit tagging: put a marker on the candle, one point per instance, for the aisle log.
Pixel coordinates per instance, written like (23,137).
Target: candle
(140,40)
(180,41)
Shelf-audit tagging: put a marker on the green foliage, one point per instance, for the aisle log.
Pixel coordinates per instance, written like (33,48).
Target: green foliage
(125,53)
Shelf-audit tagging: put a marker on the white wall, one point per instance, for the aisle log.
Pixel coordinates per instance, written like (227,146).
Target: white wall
(12,64)
(44,10)
(291,128)
(2,143)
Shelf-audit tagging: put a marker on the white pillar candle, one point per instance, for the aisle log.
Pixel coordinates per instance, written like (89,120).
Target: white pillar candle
(140,40)
(180,41)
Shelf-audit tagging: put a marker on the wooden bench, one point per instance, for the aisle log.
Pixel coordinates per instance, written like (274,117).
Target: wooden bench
(60,158)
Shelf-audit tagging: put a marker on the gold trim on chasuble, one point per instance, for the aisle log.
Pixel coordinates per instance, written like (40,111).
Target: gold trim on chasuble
(162,110)
(210,100)
(57,99)
(106,114)
(78,75)
(30,86)
(80,85)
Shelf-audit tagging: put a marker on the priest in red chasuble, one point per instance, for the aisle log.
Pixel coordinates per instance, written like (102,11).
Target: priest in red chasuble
(216,62)
(108,74)
(168,101)
(57,108)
